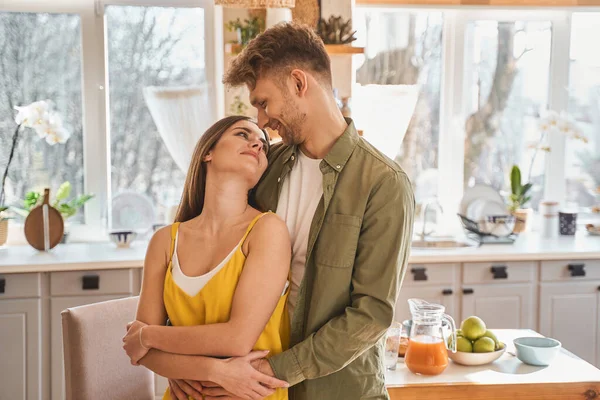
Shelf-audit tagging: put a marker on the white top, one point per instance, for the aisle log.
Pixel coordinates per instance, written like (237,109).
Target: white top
(192,285)
(300,195)
(507,370)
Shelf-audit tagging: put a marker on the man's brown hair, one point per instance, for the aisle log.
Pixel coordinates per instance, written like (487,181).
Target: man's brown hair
(280,48)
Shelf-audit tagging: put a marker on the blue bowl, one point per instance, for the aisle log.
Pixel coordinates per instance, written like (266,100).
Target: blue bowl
(539,351)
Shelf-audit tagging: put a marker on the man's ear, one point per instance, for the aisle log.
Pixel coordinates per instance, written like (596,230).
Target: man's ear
(300,82)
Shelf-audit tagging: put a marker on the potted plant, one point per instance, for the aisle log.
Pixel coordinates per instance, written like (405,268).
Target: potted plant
(246,31)
(48,125)
(518,200)
(67,208)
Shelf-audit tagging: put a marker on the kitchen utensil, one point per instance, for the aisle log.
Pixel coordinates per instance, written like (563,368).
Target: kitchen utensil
(464,358)
(499,225)
(44,226)
(426,353)
(568,223)
(484,192)
(122,238)
(538,351)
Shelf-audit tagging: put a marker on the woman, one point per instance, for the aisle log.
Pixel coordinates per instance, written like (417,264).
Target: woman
(219,273)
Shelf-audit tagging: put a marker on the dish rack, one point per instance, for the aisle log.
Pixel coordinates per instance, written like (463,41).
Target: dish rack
(474,233)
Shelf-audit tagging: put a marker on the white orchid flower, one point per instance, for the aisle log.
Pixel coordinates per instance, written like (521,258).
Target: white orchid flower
(550,121)
(33,114)
(52,130)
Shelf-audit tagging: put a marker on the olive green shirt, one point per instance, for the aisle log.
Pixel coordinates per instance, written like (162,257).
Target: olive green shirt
(358,248)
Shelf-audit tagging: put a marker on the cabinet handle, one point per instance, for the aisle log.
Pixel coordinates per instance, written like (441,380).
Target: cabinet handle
(576,269)
(419,274)
(447,292)
(2,285)
(468,291)
(91,282)
(499,271)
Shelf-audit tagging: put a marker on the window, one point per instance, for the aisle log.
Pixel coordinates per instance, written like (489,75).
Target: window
(148,46)
(583,159)
(507,67)
(400,77)
(41,60)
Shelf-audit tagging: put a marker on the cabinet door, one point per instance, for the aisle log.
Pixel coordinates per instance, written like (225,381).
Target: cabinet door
(500,306)
(569,314)
(444,295)
(57,305)
(20,349)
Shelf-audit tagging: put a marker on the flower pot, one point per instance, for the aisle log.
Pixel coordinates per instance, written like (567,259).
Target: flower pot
(524,217)
(3,231)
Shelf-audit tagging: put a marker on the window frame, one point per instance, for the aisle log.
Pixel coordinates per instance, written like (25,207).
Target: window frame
(453,84)
(95,100)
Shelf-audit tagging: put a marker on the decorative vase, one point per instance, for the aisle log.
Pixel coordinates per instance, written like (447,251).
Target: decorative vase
(523,222)
(3,231)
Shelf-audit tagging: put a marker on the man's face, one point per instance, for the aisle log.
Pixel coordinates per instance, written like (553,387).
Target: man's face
(278,109)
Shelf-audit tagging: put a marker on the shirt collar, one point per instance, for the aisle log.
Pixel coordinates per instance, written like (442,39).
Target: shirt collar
(340,152)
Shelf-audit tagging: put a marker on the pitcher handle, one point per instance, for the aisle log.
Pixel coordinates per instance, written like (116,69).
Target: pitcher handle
(450,321)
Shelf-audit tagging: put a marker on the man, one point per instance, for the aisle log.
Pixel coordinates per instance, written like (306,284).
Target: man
(349,211)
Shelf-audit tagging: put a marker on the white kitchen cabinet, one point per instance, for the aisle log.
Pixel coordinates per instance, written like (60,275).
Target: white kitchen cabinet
(569,313)
(501,305)
(21,349)
(435,283)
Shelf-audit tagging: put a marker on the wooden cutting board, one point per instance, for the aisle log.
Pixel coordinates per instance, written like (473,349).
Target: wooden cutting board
(44,226)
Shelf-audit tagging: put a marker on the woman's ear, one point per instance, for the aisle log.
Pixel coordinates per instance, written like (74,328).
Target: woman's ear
(207,157)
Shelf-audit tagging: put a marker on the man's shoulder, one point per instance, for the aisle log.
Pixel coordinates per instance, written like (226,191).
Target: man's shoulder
(371,159)
(277,151)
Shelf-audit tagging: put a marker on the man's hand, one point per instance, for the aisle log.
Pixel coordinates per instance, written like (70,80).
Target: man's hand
(239,378)
(132,342)
(218,393)
(181,389)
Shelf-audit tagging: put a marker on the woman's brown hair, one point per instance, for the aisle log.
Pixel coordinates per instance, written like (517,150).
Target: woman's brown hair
(192,199)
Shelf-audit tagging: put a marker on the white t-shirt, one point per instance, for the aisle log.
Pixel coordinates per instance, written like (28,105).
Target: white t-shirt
(300,194)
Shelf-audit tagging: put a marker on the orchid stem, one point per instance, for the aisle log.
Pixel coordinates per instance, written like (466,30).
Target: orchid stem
(10,157)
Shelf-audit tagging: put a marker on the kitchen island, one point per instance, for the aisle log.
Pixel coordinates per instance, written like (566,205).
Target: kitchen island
(568,377)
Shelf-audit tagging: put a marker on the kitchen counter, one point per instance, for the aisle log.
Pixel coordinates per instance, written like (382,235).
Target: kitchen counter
(105,255)
(568,377)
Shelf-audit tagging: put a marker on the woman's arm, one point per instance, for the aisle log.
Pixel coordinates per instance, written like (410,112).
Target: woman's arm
(256,296)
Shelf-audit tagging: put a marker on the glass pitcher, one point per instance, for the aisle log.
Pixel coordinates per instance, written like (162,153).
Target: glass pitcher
(426,353)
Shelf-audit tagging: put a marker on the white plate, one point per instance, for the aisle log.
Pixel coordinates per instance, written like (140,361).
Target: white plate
(476,358)
(484,192)
(479,209)
(132,211)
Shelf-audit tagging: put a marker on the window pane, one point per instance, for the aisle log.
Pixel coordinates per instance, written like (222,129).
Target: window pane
(28,41)
(507,74)
(148,46)
(583,160)
(403,54)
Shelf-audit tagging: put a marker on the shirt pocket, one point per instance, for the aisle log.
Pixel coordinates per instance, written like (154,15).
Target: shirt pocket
(338,240)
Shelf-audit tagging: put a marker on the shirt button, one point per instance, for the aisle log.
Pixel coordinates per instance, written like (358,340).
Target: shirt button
(293,158)
(278,179)
(338,166)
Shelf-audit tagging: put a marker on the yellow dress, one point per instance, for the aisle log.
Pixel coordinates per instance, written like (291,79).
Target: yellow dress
(213,303)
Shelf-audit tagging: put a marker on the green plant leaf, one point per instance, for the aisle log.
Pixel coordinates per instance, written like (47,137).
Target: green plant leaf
(515,179)
(63,192)
(31,200)
(3,208)
(525,189)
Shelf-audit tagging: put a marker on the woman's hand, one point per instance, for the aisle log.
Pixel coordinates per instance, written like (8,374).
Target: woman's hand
(132,342)
(238,377)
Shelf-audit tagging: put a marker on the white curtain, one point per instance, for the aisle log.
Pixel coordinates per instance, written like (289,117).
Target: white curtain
(181,114)
(383,112)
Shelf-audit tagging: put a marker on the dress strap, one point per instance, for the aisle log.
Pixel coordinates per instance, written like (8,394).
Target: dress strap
(254,221)
(174,229)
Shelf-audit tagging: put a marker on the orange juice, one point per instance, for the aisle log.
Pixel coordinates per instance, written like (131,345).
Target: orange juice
(426,355)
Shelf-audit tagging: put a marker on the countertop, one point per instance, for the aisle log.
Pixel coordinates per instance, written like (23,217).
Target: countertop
(566,369)
(105,255)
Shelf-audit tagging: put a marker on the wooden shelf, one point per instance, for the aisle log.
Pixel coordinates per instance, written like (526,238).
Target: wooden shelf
(341,49)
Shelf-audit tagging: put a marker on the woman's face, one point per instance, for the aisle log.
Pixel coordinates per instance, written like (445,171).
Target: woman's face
(241,150)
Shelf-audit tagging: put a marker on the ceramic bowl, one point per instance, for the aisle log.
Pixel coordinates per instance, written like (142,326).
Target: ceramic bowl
(476,358)
(499,225)
(539,351)
(122,238)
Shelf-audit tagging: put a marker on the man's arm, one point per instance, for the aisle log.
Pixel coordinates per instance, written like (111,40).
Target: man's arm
(379,266)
